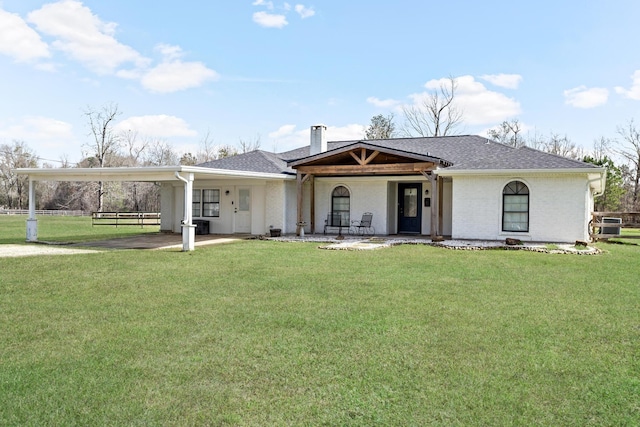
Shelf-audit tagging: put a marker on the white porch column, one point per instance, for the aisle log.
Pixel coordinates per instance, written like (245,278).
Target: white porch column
(188,229)
(32,222)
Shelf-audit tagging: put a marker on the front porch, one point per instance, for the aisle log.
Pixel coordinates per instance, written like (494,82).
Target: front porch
(402,190)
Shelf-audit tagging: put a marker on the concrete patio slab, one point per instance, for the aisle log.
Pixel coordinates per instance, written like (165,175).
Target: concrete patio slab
(161,241)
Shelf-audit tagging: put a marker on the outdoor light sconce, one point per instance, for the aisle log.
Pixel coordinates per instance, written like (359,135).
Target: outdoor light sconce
(426,192)
(226,192)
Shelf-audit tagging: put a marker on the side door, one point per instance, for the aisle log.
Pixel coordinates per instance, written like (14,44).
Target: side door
(409,207)
(242,211)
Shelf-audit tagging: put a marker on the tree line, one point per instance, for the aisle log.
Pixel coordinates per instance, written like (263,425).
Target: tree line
(620,156)
(106,147)
(436,115)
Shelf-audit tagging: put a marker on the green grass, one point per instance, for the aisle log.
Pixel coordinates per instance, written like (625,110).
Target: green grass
(629,236)
(62,229)
(267,333)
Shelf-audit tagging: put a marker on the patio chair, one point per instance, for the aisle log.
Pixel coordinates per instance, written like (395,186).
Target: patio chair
(334,220)
(363,226)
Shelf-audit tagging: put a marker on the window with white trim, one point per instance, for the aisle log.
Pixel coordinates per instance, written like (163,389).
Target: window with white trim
(515,207)
(206,203)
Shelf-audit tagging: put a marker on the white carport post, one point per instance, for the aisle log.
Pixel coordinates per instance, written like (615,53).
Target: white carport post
(188,229)
(32,222)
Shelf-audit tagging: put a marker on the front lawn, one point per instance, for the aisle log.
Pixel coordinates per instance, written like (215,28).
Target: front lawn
(267,333)
(64,229)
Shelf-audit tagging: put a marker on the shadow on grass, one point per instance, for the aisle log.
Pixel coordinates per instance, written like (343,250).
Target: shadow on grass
(623,242)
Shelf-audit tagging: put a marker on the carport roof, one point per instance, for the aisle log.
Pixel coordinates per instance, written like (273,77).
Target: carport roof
(146,173)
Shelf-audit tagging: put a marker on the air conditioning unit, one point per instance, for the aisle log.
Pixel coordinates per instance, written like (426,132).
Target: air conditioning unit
(611,230)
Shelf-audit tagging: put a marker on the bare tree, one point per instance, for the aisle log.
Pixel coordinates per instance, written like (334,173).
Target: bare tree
(601,148)
(14,187)
(106,141)
(631,151)
(134,151)
(562,146)
(381,127)
(249,145)
(226,151)
(134,146)
(188,159)
(437,114)
(207,151)
(508,133)
(160,153)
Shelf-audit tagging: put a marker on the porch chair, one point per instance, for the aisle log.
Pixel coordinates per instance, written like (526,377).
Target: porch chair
(363,226)
(334,220)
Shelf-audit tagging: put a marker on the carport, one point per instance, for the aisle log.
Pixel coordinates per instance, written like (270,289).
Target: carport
(160,174)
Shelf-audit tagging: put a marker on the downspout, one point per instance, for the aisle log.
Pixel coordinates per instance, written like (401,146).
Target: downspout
(603,181)
(188,229)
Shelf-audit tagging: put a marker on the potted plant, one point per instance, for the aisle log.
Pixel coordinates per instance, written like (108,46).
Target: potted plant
(274,232)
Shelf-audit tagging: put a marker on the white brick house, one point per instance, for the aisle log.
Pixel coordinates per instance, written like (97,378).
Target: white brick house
(464,187)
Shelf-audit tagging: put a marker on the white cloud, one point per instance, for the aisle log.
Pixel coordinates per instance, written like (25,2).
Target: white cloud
(160,126)
(173,74)
(634,91)
(287,138)
(304,11)
(269,20)
(43,132)
(345,133)
(383,103)
(509,81)
(20,41)
(44,127)
(478,104)
(177,75)
(84,37)
(279,20)
(267,4)
(46,66)
(583,97)
(169,52)
(283,131)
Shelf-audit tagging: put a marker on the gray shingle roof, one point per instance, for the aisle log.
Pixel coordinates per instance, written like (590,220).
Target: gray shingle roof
(253,161)
(465,152)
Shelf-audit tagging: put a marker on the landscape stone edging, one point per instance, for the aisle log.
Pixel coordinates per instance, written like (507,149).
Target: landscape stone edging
(333,244)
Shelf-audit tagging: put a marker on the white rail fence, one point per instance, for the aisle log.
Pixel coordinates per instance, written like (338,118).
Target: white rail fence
(44,212)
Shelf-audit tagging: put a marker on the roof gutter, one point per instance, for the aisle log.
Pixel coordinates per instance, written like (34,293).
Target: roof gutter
(602,180)
(468,172)
(153,173)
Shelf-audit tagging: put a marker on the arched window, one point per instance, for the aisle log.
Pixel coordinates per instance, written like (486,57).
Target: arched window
(340,204)
(515,207)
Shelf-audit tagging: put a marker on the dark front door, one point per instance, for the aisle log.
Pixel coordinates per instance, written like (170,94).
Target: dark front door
(409,208)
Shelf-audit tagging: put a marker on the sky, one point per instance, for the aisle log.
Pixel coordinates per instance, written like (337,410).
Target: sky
(182,71)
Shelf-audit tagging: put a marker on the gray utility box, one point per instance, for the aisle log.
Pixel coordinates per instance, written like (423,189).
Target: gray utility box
(613,229)
(202,226)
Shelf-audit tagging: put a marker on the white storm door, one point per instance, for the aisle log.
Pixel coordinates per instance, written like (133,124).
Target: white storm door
(243,211)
